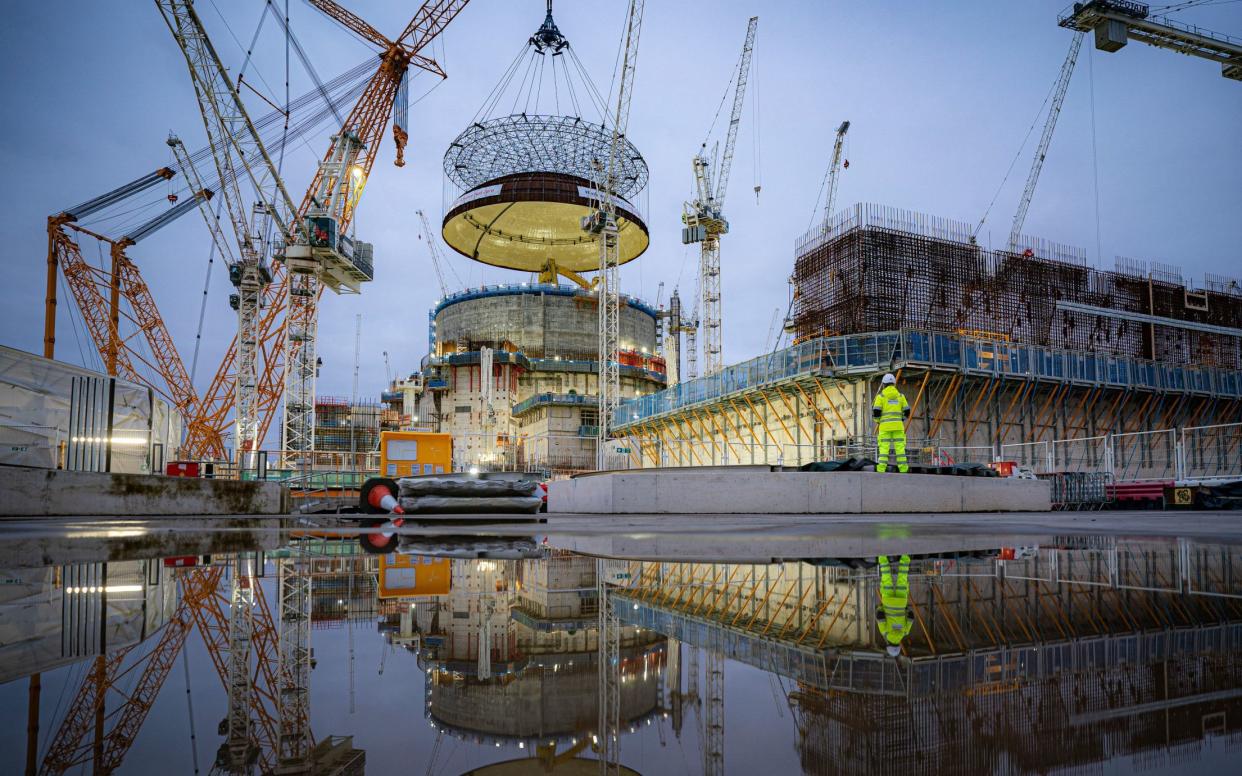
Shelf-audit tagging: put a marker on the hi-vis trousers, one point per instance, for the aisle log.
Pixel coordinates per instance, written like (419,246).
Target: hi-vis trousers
(897,437)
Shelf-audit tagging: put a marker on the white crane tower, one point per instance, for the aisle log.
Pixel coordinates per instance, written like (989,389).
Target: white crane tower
(704,217)
(602,221)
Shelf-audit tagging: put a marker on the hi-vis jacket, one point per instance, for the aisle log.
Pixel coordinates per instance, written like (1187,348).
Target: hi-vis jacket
(892,408)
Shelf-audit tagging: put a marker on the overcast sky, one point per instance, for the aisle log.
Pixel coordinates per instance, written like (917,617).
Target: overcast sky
(940,96)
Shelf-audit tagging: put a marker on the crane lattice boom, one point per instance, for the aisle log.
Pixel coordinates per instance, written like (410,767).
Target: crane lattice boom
(1045,139)
(363,128)
(704,218)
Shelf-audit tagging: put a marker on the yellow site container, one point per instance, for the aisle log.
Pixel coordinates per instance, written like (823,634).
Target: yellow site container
(403,576)
(410,453)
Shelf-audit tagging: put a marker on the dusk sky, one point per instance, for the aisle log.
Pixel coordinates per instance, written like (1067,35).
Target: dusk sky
(940,96)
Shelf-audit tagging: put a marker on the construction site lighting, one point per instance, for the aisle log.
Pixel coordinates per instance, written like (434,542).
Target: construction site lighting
(104,589)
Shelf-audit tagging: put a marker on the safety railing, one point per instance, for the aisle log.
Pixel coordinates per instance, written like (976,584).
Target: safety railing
(950,455)
(882,351)
(1036,456)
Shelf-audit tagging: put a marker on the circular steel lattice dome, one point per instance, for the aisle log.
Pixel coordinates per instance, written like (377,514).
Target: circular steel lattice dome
(568,145)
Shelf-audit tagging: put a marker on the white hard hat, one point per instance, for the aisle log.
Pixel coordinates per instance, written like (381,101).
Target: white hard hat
(893,650)
(888,379)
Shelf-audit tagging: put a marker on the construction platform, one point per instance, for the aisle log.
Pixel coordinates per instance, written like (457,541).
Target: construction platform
(1030,356)
(759,490)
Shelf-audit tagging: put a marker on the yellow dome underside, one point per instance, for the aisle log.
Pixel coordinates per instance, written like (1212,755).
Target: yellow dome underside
(524,235)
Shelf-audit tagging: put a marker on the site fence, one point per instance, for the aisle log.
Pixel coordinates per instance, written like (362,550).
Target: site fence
(1171,454)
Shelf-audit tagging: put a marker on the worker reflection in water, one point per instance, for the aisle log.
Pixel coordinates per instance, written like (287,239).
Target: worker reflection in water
(894,617)
(890,412)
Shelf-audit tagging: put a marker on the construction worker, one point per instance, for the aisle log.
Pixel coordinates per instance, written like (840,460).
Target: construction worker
(890,412)
(894,616)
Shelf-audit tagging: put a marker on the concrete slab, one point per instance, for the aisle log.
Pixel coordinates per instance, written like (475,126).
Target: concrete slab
(47,492)
(718,490)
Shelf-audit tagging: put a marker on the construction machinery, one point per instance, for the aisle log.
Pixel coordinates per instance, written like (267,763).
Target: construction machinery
(327,257)
(115,727)
(1045,139)
(835,165)
(239,156)
(1115,22)
(437,260)
(704,217)
(99,292)
(602,222)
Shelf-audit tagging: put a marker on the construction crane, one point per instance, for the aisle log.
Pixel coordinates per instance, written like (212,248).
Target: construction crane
(713,716)
(208,606)
(602,222)
(239,155)
(115,730)
(1114,22)
(240,751)
(704,217)
(289,304)
(607,740)
(1041,151)
(98,293)
(834,167)
(437,260)
(294,742)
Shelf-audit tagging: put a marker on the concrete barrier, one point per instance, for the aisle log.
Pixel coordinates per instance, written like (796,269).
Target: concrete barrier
(51,492)
(721,490)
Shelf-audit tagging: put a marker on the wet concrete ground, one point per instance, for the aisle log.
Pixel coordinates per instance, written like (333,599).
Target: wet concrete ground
(1036,643)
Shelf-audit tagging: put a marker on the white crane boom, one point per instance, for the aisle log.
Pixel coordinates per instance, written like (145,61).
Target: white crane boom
(735,117)
(704,217)
(1041,151)
(434,251)
(834,167)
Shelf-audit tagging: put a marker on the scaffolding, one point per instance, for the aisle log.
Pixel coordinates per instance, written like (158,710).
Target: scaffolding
(344,427)
(874,268)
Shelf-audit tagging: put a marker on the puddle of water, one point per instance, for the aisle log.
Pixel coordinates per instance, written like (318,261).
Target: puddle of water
(514,655)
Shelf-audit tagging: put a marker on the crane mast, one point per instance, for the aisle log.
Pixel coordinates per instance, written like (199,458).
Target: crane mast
(603,223)
(326,258)
(704,218)
(239,155)
(1045,139)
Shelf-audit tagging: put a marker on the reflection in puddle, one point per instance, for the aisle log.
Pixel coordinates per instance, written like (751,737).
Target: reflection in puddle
(1021,659)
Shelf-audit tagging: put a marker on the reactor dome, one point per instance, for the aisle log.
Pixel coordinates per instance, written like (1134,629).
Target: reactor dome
(522,182)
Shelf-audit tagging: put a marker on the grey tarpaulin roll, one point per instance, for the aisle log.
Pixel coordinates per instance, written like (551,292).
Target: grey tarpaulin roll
(459,504)
(459,488)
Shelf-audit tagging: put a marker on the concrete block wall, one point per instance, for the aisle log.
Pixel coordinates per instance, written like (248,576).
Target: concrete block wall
(52,492)
(755,491)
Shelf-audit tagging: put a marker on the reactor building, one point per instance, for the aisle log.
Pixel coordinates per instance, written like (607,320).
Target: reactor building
(511,370)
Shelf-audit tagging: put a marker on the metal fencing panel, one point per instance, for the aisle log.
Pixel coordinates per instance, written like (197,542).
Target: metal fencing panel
(1036,456)
(1085,454)
(1145,455)
(1210,452)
